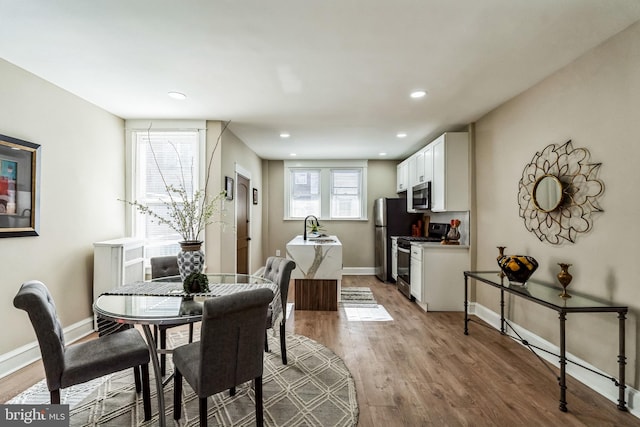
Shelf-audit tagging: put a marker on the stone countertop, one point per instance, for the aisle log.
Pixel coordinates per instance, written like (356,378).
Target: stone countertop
(439,245)
(313,240)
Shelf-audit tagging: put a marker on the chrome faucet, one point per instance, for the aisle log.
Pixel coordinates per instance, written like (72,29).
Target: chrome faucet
(305,224)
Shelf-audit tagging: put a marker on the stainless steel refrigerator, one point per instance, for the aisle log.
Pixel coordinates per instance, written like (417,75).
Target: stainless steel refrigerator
(390,219)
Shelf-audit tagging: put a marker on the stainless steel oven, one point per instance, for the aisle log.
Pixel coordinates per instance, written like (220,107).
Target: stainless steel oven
(404,267)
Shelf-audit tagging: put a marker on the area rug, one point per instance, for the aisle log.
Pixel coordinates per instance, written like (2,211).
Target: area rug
(314,389)
(357,297)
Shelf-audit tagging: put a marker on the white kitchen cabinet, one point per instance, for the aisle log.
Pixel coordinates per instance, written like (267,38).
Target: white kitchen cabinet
(424,165)
(402,177)
(416,272)
(115,263)
(450,183)
(443,277)
(394,258)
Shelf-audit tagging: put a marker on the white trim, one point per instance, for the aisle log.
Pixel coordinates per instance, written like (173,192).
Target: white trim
(359,271)
(592,380)
(156,125)
(22,356)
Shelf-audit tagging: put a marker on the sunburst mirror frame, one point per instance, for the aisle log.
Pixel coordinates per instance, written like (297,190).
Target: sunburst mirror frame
(581,190)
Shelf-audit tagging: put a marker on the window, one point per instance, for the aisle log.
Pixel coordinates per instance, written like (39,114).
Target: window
(157,159)
(328,190)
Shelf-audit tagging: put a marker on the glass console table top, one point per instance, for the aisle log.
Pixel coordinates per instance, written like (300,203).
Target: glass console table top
(545,294)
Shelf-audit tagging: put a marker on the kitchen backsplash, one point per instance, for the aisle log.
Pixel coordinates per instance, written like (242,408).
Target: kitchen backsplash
(446,217)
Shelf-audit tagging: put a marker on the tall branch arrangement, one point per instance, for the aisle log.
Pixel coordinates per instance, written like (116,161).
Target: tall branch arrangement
(188,212)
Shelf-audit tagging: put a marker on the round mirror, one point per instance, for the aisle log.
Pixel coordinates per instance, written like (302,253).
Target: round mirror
(547,193)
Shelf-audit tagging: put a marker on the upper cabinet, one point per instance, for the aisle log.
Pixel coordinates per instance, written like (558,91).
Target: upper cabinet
(424,165)
(450,183)
(402,178)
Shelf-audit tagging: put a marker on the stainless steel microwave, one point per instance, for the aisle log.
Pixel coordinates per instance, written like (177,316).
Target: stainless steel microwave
(422,196)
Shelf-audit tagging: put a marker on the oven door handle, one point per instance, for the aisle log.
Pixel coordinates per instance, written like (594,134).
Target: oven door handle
(406,251)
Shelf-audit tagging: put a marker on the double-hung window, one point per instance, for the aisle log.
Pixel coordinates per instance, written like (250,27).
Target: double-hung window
(157,159)
(328,190)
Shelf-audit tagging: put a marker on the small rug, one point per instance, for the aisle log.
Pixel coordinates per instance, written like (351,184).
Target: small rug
(357,297)
(314,389)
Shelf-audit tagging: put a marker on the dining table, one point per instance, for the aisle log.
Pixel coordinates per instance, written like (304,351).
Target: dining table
(164,302)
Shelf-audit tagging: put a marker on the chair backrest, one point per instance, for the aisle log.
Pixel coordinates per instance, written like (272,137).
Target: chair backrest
(232,339)
(163,266)
(34,298)
(278,270)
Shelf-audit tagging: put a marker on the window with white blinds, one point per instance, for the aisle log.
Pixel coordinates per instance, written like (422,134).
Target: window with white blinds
(328,190)
(162,158)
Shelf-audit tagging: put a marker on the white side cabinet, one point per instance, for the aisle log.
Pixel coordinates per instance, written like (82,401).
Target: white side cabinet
(115,263)
(402,177)
(394,258)
(416,273)
(443,278)
(450,185)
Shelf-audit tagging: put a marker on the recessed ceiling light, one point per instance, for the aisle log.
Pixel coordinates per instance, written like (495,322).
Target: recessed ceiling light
(285,135)
(292,154)
(418,93)
(401,135)
(382,154)
(177,95)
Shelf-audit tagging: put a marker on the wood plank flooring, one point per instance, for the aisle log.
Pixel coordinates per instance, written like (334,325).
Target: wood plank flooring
(421,370)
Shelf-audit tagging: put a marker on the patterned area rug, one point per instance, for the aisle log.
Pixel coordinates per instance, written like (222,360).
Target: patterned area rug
(357,297)
(314,389)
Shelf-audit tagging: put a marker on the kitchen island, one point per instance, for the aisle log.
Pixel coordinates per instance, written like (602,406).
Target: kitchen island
(318,273)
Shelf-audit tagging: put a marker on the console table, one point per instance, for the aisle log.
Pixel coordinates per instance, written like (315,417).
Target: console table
(548,296)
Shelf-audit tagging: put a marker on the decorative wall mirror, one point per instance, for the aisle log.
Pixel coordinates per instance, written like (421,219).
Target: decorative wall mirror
(558,193)
(19,187)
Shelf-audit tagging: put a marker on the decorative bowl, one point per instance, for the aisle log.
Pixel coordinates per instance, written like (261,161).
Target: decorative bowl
(517,268)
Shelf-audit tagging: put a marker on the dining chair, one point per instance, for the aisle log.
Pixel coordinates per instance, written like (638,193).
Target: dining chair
(278,270)
(165,266)
(230,351)
(66,366)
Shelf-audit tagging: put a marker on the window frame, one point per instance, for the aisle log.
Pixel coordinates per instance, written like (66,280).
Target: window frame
(326,185)
(133,218)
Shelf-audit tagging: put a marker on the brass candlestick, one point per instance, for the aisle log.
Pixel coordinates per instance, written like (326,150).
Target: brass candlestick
(501,254)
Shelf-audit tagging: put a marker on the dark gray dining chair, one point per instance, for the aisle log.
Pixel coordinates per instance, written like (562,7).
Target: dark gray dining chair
(65,366)
(165,266)
(278,270)
(230,351)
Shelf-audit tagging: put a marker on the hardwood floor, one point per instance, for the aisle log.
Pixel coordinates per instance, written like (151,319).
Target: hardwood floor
(421,370)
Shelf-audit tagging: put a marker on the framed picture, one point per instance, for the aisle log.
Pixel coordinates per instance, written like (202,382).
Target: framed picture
(255,196)
(228,187)
(19,187)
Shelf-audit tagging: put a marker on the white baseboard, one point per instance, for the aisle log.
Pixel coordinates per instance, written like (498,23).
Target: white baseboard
(29,353)
(359,271)
(600,384)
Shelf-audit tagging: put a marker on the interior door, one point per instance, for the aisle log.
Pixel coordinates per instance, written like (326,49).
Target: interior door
(242,225)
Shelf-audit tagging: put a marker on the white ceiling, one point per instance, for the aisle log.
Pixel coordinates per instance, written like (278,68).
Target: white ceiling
(335,74)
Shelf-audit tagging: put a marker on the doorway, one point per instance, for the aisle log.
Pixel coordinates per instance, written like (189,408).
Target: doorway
(242,225)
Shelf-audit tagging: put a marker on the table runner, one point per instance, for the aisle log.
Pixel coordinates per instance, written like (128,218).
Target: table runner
(162,288)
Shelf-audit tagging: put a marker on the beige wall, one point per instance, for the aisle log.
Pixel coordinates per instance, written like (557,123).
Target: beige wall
(237,156)
(78,197)
(594,102)
(356,236)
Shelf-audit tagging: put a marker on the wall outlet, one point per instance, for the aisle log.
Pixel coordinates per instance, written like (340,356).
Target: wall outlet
(277,252)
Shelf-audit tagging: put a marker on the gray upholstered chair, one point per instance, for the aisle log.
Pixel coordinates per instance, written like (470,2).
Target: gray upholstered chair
(165,266)
(278,270)
(230,351)
(79,363)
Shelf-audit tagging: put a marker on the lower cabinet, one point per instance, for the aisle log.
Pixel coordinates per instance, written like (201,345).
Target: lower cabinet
(416,273)
(442,278)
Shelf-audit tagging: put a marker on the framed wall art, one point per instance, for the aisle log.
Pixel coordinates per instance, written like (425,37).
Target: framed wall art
(19,187)
(255,196)
(228,187)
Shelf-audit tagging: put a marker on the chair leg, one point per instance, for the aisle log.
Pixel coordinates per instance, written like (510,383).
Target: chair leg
(203,411)
(283,343)
(190,332)
(232,391)
(259,407)
(146,392)
(177,394)
(163,356)
(55,397)
(266,342)
(136,378)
